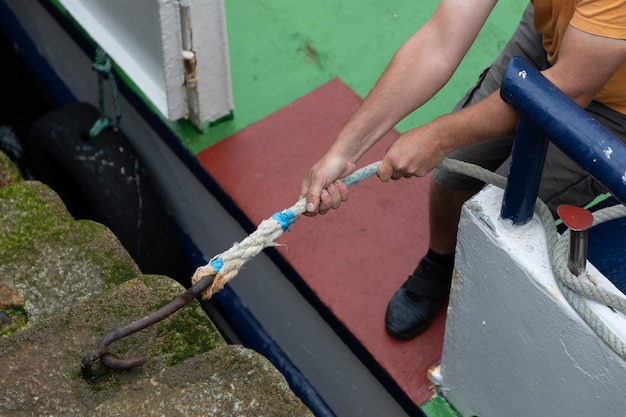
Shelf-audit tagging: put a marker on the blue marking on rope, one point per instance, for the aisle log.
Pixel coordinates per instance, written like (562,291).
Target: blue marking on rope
(285,218)
(217,264)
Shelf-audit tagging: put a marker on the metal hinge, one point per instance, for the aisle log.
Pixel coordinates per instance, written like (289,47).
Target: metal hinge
(192,98)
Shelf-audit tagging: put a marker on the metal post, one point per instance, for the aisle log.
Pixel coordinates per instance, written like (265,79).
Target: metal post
(522,187)
(548,110)
(579,221)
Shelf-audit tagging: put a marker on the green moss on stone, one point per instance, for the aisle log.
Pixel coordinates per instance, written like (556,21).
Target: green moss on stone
(42,247)
(103,249)
(8,171)
(26,217)
(18,318)
(35,216)
(185,334)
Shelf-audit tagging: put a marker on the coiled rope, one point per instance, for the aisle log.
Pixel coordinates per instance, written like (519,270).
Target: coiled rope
(227,265)
(577,289)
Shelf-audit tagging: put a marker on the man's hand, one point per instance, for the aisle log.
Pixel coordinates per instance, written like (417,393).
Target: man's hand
(322,186)
(413,154)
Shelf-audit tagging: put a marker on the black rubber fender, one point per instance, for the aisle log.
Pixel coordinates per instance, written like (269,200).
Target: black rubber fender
(103,179)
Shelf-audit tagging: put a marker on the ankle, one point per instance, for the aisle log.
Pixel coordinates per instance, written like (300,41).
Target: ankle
(446,259)
(435,267)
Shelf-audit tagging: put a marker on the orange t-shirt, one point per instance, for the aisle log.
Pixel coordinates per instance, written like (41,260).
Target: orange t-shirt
(605,18)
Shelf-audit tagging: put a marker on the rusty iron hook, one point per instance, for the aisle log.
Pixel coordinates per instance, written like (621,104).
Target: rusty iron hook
(101,353)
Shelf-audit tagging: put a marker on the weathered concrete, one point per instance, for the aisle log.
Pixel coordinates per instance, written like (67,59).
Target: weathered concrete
(66,283)
(227,381)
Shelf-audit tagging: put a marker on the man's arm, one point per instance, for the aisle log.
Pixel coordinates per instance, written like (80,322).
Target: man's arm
(416,72)
(585,64)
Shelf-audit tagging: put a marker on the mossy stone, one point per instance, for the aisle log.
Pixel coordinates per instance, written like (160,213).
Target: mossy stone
(41,365)
(51,259)
(8,172)
(227,381)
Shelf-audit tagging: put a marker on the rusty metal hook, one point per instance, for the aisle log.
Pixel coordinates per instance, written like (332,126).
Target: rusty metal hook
(101,353)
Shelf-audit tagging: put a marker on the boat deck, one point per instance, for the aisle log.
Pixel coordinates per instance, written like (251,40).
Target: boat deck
(352,259)
(295,82)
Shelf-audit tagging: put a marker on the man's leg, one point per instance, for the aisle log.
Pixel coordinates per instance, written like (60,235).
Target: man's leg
(445,210)
(414,306)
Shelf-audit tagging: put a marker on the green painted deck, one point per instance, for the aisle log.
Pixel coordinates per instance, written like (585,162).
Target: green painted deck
(280,50)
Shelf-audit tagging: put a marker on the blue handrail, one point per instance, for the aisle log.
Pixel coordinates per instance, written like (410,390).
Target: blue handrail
(547,114)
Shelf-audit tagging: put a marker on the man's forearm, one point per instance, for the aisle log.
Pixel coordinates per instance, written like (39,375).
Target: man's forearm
(405,85)
(489,119)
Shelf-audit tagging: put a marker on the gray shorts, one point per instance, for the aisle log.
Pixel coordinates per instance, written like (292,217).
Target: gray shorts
(563,181)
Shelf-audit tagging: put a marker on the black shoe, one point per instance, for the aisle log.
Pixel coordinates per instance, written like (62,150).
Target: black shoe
(414,306)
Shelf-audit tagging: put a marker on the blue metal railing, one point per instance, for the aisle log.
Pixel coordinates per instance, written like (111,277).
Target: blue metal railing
(547,114)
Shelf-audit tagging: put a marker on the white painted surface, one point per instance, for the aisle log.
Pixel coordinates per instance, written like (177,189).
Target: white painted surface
(513,345)
(143,37)
(214,83)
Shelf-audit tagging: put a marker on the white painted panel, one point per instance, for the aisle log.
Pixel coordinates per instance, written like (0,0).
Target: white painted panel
(143,37)
(214,85)
(513,345)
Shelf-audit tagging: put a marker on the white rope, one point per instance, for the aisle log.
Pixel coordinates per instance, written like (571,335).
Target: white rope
(575,289)
(578,288)
(228,264)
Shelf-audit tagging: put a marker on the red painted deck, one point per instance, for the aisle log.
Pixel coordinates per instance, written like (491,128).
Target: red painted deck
(354,258)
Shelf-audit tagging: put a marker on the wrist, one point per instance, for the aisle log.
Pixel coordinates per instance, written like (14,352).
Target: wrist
(450,133)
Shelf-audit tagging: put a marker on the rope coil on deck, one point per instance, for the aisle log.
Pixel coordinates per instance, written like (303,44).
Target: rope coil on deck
(227,265)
